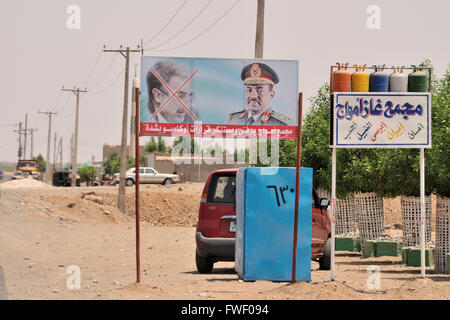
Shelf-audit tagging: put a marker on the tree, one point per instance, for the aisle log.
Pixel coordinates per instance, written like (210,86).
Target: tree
(161,145)
(194,144)
(42,164)
(112,163)
(316,152)
(241,155)
(130,162)
(438,157)
(87,173)
(151,146)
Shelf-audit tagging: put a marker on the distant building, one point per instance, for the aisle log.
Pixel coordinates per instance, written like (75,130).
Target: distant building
(188,170)
(108,149)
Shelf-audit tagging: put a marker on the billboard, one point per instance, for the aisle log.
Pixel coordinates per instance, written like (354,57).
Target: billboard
(381,120)
(218,97)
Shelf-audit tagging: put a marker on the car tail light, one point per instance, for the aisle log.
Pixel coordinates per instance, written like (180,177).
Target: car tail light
(204,197)
(202,244)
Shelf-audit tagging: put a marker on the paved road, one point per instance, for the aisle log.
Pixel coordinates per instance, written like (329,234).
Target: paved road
(5,178)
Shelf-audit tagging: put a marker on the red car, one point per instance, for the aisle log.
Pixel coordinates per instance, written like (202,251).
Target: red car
(216,227)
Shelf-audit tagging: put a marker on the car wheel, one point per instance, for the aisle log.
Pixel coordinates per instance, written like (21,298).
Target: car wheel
(129,182)
(167,182)
(204,265)
(325,261)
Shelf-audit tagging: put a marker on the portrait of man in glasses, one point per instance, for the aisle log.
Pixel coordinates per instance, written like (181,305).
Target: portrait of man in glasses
(169,108)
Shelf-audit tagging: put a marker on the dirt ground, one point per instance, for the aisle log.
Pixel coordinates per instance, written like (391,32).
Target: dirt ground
(46,230)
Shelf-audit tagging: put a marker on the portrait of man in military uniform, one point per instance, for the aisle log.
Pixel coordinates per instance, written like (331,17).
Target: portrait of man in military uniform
(259,81)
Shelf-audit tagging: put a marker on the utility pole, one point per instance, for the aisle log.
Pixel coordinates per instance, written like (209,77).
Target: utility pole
(54,153)
(259,41)
(19,153)
(123,148)
(71,148)
(32,142)
(25,140)
(76,92)
(60,148)
(47,165)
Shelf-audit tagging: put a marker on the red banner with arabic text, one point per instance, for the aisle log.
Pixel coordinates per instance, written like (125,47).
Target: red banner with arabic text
(215,130)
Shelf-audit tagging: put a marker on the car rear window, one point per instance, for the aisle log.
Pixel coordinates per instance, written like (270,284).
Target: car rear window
(222,189)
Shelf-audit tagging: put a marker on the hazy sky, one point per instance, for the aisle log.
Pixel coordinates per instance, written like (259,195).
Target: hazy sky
(40,53)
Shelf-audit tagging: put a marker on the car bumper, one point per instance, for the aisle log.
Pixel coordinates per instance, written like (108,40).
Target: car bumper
(220,248)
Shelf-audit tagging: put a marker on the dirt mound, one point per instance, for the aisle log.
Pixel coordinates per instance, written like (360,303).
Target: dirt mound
(24,184)
(160,208)
(75,207)
(315,291)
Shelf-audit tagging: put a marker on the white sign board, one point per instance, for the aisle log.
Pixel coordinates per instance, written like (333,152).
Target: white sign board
(381,120)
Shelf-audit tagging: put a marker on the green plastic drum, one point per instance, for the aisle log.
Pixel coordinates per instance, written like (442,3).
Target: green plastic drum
(418,81)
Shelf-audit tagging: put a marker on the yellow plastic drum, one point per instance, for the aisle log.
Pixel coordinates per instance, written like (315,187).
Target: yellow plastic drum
(360,80)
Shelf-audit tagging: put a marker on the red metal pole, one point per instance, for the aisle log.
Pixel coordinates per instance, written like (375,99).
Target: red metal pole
(297,183)
(138,236)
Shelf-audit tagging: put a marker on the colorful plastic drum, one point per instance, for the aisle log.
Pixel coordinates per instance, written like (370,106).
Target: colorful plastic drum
(398,81)
(379,80)
(341,79)
(418,81)
(360,79)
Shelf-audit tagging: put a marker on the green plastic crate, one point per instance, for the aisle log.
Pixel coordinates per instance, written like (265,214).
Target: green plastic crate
(370,247)
(347,244)
(387,248)
(405,252)
(414,257)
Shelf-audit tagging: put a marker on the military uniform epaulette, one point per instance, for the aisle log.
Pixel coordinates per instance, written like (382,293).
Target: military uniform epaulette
(243,113)
(238,111)
(280,117)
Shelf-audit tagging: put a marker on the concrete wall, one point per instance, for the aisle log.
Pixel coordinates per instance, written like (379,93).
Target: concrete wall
(188,170)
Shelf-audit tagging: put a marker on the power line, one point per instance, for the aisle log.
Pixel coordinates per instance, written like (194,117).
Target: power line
(109,86)
(57,99)
(105,73)
(93,68)
(68,115)
(184,28)
(200,34)
(165,26)
(65,104)
(85,81)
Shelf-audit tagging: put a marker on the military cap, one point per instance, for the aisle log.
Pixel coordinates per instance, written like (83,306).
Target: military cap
(259,73)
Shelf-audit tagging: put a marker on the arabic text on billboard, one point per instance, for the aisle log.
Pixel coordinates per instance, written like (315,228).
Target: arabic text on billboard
(387,120)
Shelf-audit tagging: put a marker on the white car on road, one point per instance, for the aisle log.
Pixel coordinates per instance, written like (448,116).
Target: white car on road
(147,175)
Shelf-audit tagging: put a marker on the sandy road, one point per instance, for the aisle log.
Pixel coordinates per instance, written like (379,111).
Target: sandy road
(37,246)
